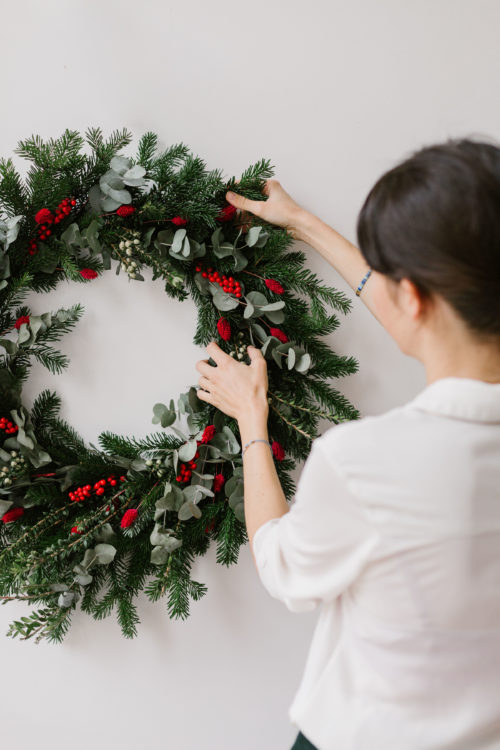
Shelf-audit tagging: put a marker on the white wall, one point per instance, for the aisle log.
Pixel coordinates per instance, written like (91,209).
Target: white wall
(333,93)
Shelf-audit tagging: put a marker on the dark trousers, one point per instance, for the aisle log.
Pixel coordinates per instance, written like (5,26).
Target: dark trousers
(302,743)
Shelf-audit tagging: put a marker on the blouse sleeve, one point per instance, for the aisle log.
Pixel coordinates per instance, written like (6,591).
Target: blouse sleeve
(318,548)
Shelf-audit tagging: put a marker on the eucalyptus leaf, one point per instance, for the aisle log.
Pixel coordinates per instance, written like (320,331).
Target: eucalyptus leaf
(224,301)
(188,510)
(252,235)
(257,328)
(105,553)
(257,298)
(187,451)
(105,533)
(275,316)
(159,555)
(178,240)
(66,599)
(5,505)
(303,363)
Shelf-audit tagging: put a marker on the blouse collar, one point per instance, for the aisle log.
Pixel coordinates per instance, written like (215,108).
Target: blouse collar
(462,398)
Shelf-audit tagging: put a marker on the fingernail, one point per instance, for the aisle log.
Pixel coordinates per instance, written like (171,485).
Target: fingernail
(229,194)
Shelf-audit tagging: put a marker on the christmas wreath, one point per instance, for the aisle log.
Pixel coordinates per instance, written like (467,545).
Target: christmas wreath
(96,525)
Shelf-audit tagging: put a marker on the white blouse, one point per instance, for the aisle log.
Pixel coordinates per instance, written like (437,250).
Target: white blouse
(395,532)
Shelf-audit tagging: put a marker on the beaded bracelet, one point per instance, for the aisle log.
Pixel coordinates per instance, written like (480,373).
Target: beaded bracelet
(257,440)
(363,282)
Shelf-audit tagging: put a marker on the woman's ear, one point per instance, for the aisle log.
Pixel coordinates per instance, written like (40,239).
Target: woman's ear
(411,299)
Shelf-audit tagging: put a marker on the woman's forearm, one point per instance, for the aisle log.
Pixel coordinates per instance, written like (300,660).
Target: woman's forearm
(264,497)
(345,257)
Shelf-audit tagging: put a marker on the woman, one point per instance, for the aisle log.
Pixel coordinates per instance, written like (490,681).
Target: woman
(395,528)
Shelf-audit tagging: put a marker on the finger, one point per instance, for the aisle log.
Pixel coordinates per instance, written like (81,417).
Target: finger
(220,357)
(204,395)
(205,369)
(239,201)
(255,354)
(205,383)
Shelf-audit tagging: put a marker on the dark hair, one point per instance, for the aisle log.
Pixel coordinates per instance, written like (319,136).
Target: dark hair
(435,219)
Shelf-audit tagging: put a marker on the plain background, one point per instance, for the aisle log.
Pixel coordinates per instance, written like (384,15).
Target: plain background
(334,93)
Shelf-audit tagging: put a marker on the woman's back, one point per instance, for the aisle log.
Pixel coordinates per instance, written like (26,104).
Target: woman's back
(408,656)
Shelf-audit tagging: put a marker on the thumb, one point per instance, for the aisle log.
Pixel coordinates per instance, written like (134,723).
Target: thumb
(239,201)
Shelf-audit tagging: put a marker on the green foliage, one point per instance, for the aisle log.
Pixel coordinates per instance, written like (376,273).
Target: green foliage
(67,547)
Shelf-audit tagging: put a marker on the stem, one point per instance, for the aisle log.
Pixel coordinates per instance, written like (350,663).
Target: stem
(317,412)
(167,571)
(31,596)
(302,432)
(27,533)
(253,274)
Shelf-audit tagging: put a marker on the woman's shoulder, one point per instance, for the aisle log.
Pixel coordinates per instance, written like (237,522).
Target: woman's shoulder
(368,428)
(372,444)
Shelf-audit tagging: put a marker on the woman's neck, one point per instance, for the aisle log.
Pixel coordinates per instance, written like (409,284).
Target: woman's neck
(463,359)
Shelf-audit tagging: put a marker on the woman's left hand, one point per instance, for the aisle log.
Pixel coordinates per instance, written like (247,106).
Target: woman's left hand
(237,389)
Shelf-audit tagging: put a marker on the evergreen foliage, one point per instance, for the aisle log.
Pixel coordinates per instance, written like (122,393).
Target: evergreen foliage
(82,209)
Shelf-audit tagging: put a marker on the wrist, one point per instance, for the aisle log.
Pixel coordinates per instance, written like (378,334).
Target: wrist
(303,224)
(253,423)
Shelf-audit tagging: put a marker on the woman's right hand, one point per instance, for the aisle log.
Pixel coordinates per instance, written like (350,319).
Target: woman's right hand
(279,208)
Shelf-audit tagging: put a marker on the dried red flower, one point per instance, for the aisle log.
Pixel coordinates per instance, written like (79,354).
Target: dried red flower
(219,481)
(88,273)
(278,450)
(21,320)
(274,286)
(128,518)
(227,213)
(12,515)
(208,433)
(179,221)
(279,334)
(125,211)
(224,328)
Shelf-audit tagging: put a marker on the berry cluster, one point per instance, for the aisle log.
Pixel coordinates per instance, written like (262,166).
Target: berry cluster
(227,283)
(64,208)
(129,246)
(10,471)
(186,469)
(156,466)
(44,218)
(241,347)
(9,427)
(99,488)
